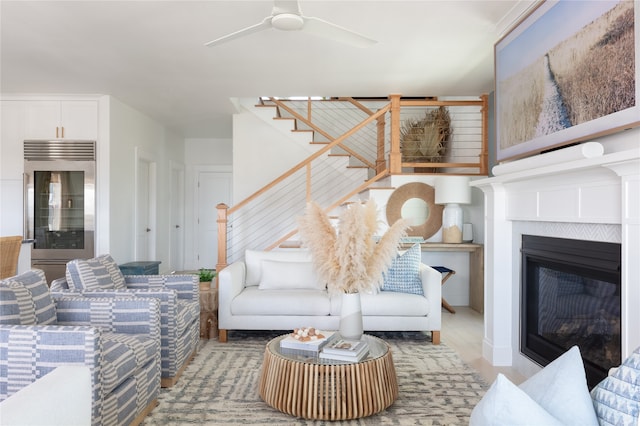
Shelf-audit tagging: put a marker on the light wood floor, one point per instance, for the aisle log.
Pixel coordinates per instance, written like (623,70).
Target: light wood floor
(463,332)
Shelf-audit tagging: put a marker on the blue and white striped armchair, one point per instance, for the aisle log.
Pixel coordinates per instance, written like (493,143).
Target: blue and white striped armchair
(179,297)
(118,339)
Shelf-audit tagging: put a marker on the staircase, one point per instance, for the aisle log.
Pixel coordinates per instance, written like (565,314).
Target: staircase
(353,146)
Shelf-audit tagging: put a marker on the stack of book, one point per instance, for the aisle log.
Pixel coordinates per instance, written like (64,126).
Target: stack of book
(345,350)
(292,344)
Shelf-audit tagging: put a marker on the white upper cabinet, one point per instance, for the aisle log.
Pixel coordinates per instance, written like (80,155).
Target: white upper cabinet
(12,117)
(62,120)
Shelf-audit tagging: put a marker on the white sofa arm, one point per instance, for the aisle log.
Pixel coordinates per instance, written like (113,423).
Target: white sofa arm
(231,282)
(432,288)
(62,397)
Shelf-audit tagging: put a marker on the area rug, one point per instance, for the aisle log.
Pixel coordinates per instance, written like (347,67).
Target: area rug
(220,386)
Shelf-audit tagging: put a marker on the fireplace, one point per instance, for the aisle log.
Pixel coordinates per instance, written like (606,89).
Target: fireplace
(571,295)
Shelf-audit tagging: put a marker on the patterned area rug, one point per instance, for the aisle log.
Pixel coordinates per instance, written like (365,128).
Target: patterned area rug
(220,386)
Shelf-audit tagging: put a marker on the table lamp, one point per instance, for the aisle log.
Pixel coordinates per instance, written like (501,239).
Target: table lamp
(452,191)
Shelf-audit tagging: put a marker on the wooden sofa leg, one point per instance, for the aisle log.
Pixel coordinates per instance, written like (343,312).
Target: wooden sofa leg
(435,337)
(222,336)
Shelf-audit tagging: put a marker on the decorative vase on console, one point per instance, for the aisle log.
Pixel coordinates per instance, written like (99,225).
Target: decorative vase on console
(348,257)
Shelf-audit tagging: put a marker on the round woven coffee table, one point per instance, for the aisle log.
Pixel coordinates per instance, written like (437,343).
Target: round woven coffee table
(320,389)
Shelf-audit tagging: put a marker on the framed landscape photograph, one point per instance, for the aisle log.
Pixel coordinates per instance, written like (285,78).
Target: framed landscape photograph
(568,72)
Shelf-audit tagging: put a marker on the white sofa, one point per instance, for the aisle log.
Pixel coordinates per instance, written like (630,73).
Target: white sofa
(279,290)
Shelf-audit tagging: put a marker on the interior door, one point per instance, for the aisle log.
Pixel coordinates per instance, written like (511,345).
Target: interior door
(145,209)
(213,188)
(177,218)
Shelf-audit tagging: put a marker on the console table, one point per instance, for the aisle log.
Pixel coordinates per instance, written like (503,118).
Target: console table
(140,268)
(476,268)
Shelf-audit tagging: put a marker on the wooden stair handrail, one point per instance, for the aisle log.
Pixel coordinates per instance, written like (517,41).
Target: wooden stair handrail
(297,116)
(308,160)
(333,206)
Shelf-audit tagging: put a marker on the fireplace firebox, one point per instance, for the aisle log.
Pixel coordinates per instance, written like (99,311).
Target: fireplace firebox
(571,296)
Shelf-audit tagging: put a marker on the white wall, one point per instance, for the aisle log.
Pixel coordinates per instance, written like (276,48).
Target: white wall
(208,152)
(261,153)
(129,130)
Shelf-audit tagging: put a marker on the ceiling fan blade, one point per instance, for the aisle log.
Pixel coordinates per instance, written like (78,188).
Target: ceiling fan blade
(264,25)
(321,28)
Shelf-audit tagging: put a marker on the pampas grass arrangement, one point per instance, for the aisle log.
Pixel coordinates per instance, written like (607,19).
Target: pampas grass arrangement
(349,259)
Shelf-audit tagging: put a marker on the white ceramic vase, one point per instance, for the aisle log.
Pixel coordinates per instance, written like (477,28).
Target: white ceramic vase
(351,317)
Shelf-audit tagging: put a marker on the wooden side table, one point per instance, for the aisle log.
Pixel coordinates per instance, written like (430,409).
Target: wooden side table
(313,388)
(449,273)
(476,268)
(208,310)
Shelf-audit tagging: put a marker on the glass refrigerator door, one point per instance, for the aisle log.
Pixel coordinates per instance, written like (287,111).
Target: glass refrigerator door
(59,209)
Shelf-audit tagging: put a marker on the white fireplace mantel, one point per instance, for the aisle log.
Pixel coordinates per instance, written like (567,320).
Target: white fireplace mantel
(565,194)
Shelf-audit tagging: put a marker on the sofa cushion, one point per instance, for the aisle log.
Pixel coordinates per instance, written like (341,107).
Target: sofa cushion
(281,275)
(253,261)
(99,273)
(617,398)
(386,303)
(560,389)
(404,274)
(253,301)
(25,300)
(124,354)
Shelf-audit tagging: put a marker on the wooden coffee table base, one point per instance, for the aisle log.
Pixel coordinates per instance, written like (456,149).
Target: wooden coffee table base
(328,392)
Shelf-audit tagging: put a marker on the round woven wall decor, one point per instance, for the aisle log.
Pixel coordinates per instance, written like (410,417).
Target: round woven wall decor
(416,190)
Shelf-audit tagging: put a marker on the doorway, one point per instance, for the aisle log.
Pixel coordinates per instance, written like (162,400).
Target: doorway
(177,203)
(213,188)
(145,207)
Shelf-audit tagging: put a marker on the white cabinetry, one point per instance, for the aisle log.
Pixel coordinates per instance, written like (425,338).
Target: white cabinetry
(62,120)
(12,117)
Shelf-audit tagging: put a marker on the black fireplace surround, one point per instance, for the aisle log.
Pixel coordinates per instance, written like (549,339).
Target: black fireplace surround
(571,296)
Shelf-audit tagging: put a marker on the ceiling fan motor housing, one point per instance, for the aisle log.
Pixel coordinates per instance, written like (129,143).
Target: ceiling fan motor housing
(287,22)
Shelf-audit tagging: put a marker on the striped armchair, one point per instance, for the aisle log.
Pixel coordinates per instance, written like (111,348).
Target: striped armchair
(118,339)
(179,297)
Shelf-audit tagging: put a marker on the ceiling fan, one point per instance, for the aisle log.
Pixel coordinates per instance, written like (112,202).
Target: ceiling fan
(287,16)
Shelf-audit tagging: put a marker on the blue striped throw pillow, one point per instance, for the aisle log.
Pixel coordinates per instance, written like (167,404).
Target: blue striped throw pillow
(25,300)
(617,398)
(99,273)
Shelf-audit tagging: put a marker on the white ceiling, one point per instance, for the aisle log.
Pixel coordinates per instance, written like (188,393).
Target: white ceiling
(151,54)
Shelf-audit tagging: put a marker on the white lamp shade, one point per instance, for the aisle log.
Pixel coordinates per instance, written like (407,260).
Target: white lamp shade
(452,189)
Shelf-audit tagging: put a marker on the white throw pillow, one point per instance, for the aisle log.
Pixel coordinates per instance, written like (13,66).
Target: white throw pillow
(506,404)
(560,390)
(277,275)
(253,259)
